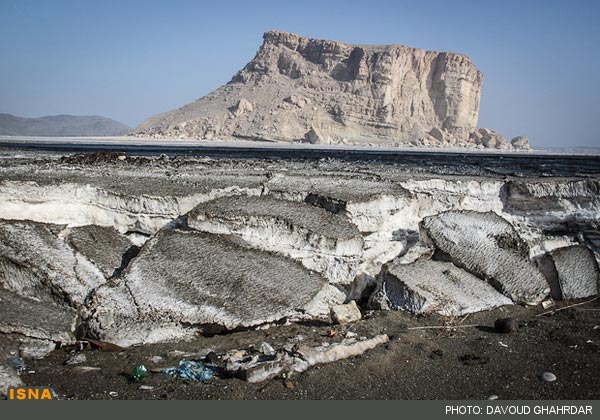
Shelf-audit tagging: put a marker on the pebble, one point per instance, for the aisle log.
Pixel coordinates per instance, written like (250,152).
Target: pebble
(493,397)
(548,377)
(506,325)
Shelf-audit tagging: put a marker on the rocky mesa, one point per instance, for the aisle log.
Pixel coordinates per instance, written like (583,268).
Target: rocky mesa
(300,89)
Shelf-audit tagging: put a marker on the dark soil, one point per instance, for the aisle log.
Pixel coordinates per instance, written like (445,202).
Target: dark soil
(466,362)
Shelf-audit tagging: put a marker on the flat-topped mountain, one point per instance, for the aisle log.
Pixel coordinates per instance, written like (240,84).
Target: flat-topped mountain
(61,125)
(318,91)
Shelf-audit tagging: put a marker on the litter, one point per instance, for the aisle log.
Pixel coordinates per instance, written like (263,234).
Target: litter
(139,372)
(548,303)
(190,370)
(266,349)
(157,359)
(18,364)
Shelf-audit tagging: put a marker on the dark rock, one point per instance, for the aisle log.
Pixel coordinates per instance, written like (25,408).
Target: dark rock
(212,358)
(506,325)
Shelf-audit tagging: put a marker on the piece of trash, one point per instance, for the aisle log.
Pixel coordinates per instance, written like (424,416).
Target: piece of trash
(157,359)
(502,344)
(146,387)
(288,384)
(31,372)
(113,394)
(190,370)
(139,372)
(121,157)
(179,353)
(350,334)
(85,369)
(103,345)
(266,349)
(18,364)
(548,303)
(332,333)
(596,327)
(547,376)
(78,345)
(493,397)
(506,325)
(589,341)
(255,369)
(235,355)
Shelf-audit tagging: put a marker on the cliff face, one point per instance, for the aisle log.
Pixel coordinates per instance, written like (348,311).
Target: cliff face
(302,89)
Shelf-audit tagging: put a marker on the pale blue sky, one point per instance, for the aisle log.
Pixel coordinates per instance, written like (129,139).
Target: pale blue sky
(129,60)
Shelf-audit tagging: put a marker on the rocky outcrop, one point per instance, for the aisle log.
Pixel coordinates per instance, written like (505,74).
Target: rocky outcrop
(235,243)
(182,283)
(427,286)
(487,245)
(324,242)
(36,262)
(572,270)
(520,143)
(300,89)
(103,245)
(33,318)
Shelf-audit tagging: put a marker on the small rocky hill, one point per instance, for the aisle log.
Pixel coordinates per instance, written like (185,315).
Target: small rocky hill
(299,89)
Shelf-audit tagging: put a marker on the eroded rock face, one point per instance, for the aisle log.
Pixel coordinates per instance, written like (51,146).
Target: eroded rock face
(128,208)
(576,271)
(36,261)
(428,286)
(184,281)
(303,89)
(520,143)
(103,245)
(488,246)
(36,319)
(324,242)
(8,378)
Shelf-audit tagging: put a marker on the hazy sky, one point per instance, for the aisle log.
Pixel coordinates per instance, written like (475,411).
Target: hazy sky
(129,60)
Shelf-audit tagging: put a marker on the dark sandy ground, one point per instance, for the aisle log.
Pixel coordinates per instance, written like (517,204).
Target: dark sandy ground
(455,363)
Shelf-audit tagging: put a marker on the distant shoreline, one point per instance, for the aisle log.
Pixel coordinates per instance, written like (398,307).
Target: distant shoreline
(125,143)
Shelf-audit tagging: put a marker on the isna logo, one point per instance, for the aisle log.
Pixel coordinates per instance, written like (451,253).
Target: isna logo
(23,393)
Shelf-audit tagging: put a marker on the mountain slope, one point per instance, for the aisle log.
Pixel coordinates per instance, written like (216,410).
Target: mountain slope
(61,125)
(303,89)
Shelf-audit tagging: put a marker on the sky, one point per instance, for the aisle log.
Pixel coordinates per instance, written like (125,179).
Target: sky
(129,60)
